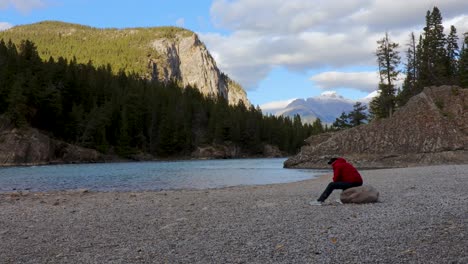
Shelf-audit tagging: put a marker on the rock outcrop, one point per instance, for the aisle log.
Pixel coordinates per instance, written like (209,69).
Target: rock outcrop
(230,150)
(217,152)
(432,128)
(29,146)
(187,60)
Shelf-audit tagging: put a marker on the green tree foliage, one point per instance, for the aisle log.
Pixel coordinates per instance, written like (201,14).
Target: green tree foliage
(124,49)
(341,122)
(356,117)
(434,60)
(388,60)
(463,63)
(453,54)
(433,66)
(119,112)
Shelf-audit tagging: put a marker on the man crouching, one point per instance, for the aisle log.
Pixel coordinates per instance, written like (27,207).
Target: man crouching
(345,176)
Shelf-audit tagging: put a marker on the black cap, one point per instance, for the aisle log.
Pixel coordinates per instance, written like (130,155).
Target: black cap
(332,160)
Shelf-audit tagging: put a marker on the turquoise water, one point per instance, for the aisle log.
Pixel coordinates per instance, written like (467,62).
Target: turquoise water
(138,176)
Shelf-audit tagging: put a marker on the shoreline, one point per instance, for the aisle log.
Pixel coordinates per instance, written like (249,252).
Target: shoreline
(421,218)
(121,160)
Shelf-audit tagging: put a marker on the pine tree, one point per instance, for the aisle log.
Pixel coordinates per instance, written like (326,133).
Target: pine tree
(463,63)
(453,54)
(17,104)
(317,127)
(358,116)
(433,69)
(341,122)
(388,60)
(410,85)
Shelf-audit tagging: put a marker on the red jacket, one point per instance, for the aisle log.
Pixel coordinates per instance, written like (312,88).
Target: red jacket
(345,172)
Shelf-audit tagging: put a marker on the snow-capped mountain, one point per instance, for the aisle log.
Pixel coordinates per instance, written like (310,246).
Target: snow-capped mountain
(327,106)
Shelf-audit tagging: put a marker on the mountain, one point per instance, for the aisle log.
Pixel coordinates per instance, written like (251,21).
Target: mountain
(431,129)
(157,53)
(327,106)
(58,111)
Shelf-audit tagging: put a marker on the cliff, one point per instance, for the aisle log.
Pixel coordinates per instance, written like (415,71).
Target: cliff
(432,128)
(187,60)
(156,53)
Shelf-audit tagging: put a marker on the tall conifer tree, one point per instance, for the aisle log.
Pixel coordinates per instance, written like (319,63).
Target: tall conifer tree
(434,56)
(453,54)
(411,69)
(463,64)
(388,60)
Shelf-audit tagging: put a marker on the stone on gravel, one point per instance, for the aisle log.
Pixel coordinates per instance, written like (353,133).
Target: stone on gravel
(361,194)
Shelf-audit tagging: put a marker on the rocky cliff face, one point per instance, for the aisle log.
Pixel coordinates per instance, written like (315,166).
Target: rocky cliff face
(30,147)
(186,59)
(432,128)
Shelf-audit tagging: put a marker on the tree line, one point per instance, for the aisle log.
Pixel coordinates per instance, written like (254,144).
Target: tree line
(124,114)
(433,58)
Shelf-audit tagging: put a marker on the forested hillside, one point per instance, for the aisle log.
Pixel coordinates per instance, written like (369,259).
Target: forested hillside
(124,114)
(123,49)
(166,54)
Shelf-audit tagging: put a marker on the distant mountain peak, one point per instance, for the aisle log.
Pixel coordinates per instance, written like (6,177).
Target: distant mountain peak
(327,106)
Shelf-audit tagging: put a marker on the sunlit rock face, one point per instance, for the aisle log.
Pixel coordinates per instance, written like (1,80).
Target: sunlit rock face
(187,60)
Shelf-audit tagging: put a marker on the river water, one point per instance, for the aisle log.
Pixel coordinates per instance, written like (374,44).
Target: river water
(139,176)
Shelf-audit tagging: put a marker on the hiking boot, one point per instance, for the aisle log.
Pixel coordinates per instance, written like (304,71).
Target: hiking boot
(315,203)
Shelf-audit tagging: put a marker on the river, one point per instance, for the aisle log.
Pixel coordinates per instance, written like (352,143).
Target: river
(160,175)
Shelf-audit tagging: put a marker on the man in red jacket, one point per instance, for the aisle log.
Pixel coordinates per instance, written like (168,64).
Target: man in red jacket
(345,176)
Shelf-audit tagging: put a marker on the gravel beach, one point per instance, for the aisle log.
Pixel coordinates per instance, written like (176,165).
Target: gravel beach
(422,217)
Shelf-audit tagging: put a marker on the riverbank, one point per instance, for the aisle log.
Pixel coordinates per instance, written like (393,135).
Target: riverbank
(422,218)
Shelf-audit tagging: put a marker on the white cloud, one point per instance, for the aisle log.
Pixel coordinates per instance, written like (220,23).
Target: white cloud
(5,26)
(24,6)
(460,23)
(363,81)
(305,35)
(276,105)
(180,22)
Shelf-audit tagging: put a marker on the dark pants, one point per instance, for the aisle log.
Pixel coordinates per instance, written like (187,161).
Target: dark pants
(336,185)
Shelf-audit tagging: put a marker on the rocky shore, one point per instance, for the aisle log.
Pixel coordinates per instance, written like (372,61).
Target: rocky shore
(431,129)
(422,217)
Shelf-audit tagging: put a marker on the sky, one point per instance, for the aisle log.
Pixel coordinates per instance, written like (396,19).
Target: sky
(277,50)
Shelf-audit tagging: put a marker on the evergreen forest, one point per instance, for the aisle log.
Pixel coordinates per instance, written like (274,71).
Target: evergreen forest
(117,112)
(432,59)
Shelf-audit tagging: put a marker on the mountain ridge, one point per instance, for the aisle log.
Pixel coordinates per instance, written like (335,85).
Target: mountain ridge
(155,53)
(327,106)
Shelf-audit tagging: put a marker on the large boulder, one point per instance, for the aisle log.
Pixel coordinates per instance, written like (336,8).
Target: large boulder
(361,194)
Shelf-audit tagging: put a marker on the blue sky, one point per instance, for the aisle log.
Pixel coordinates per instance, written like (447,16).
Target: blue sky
(277,50)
